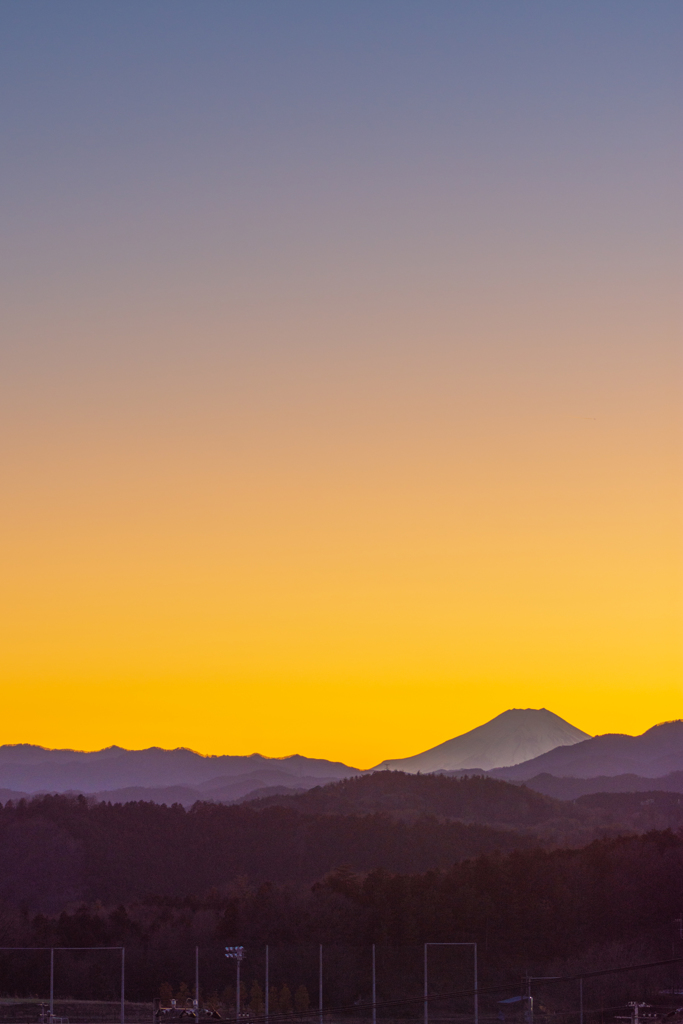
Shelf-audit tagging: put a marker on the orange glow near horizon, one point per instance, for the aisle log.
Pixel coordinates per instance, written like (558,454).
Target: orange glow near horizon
(354,594)
(340,387)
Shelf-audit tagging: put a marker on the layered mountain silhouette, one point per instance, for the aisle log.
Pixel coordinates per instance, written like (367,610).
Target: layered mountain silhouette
(165,776)
(656,753)
(515,736)
(569,788)
(531,746)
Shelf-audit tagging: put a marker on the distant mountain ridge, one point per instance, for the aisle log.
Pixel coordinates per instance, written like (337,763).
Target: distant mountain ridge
(571,765)
(515,736)
(33,769)
(656,753)
(480,799)
(569,788)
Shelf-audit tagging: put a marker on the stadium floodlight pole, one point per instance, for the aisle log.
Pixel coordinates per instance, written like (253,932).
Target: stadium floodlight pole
(123,984)
(236,953)
(426,989)
(52,983)
(580,1000)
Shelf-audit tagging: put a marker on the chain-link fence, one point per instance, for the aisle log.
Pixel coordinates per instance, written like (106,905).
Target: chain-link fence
(313,984)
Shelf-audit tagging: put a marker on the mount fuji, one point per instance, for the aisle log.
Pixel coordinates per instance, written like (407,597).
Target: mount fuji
(510,738)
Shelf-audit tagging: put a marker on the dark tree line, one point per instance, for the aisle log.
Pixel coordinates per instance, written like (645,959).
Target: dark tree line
(544,911)
(474,798)
(58,849)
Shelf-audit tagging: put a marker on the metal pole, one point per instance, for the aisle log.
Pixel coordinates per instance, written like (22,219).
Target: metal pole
(237,993)
(580,1000)
(267,993)
(374,988)
(196,979)
(320,983)
(426,996)
(476,993)
(52,983)
(123,984)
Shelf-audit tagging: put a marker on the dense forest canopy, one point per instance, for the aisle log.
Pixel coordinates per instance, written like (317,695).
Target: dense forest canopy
(161,880)
(547,912)
(57,849)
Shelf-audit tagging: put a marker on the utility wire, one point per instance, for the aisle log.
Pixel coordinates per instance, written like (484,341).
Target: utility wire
(356,1007)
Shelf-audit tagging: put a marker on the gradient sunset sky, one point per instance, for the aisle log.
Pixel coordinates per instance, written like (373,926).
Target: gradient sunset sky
(340,382)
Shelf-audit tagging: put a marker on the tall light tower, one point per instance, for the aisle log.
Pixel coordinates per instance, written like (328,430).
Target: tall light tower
(236,953)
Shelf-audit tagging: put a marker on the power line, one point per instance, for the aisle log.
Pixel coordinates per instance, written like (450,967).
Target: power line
(495,990)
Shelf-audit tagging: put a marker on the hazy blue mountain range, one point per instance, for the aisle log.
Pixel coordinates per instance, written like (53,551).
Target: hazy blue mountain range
(32,769)
(514,736)
(656,753)
(571,789)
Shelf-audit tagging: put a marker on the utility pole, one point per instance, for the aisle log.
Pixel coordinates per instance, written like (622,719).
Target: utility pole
(636,1017)
(123,984)
(52,984)
(529,1012)
(580,1000)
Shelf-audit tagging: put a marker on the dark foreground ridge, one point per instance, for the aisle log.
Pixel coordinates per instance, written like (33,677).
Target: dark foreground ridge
(57,849)
(492,802)
(548,912)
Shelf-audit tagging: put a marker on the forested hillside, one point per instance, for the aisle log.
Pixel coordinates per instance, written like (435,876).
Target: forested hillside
(476,798)
(548,912)
(58,849)
(489,801)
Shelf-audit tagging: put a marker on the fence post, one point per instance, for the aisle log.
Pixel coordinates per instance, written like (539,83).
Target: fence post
(320,983)
(476,988)
(374,988)
(196,980)
(267,993)
(426,996)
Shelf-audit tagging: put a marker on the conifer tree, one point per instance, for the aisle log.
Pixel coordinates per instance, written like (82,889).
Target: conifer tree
(273,1000)
(285,999)
(302,999)
(256,1004)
